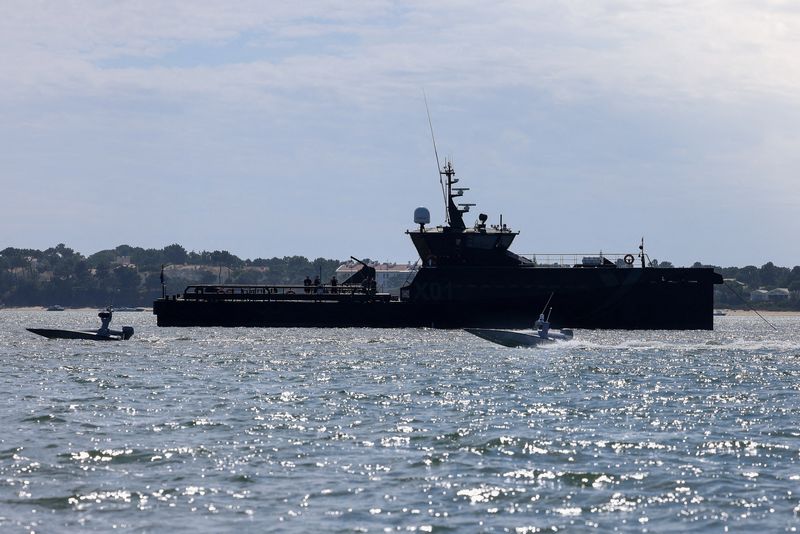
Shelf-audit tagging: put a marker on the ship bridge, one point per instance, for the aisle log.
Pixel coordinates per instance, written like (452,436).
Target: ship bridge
(456,244)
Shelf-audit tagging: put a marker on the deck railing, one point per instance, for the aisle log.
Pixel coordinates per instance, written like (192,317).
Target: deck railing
(596,259)
(279,292)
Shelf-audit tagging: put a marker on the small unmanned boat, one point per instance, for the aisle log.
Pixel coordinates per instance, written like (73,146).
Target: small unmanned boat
(524,338)
(104,333)
(520,338)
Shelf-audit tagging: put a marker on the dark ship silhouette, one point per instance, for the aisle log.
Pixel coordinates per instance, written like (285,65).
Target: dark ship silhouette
(467,277)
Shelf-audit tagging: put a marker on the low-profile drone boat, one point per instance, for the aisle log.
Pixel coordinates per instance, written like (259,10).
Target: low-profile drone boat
(104,333)
(520,338)
(542,334)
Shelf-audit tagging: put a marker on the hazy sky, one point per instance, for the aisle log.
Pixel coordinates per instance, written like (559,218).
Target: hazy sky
(280,128)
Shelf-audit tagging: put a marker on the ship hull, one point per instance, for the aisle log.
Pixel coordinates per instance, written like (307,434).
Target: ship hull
(459,297)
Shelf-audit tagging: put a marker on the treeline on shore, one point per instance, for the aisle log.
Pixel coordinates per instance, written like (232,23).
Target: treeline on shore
(130,276)
(742,282)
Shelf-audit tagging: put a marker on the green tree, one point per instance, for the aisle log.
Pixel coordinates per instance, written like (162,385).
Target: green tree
(175,254)
(126,277)
(794,275)
(80,270)
(247,277)
(768,275)
(103,256)
(102,271)
(749,275)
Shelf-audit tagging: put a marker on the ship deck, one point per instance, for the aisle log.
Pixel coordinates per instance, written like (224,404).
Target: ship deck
(267,293)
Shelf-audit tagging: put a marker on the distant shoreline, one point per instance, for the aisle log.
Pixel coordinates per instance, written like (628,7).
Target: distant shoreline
(85,309)
(728,313)
(766,313)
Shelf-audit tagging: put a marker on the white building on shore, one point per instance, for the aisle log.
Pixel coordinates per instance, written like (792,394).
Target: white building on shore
(779,294)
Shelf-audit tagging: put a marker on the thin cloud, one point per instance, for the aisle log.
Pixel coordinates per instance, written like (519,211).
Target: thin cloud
(672,49)
(662,107)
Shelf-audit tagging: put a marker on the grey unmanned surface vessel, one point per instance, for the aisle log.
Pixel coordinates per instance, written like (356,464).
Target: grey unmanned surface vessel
(104,333)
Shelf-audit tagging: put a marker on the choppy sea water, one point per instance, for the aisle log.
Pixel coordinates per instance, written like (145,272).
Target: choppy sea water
(365,430)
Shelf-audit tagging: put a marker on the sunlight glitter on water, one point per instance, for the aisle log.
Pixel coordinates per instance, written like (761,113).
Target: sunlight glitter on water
(412,430)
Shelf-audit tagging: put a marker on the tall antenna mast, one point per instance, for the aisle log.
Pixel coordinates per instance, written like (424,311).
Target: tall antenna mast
(436,153)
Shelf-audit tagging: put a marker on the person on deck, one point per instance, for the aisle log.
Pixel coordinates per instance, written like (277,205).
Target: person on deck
(307,284)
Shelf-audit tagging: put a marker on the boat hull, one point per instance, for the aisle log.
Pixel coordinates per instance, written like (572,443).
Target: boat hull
(510,298)
(52,333)
(510,339)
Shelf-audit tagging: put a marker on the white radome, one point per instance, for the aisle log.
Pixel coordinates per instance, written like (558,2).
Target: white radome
(422,216)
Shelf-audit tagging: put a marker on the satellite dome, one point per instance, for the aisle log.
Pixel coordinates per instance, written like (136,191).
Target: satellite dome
(422,216)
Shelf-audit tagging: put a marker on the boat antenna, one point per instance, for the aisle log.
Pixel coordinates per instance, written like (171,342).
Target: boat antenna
(641,251)
(548,303)
(436,153)
(163,285)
